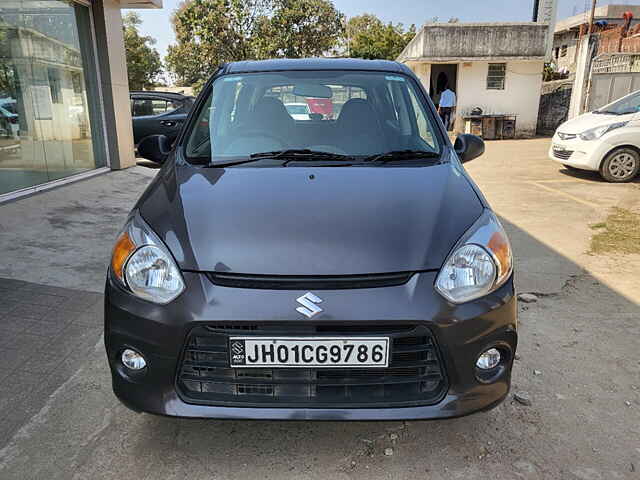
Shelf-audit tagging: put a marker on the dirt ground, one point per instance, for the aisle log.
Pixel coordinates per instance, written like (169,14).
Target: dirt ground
(578,363)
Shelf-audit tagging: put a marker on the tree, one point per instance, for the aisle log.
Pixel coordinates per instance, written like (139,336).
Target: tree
(368,37)
(300,28)
(143,61)
(211,32)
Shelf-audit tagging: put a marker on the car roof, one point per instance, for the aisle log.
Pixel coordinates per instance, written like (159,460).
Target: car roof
(314,64)
(148,93)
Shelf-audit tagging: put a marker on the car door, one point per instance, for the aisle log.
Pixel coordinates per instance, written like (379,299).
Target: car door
(155,116)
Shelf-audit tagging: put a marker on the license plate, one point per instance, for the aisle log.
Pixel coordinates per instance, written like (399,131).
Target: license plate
(305,352)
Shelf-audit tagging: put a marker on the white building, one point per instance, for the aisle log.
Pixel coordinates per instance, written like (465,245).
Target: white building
(494,66)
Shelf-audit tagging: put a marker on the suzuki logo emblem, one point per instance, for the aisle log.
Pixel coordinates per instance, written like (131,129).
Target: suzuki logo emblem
(309,302)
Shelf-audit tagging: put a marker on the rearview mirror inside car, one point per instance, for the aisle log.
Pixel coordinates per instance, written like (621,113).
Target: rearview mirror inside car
(312,90)
(468,147)
(155,148)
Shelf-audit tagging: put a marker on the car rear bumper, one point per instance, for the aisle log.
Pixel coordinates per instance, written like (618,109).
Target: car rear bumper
(461,333)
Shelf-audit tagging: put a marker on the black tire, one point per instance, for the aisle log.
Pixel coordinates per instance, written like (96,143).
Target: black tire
(569,167)
(620,165)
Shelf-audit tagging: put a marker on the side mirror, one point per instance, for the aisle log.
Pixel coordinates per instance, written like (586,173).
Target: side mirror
(155,148)
(468,147)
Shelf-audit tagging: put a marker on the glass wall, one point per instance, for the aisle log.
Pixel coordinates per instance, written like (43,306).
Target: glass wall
(49,109)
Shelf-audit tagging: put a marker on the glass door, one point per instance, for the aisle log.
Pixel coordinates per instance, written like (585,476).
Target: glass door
(47,75)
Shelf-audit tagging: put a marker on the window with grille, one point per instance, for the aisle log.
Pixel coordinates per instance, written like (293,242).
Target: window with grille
(496,76)
(563,51)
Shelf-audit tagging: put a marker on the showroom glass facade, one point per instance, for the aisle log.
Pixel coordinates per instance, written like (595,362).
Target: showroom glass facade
(50,121)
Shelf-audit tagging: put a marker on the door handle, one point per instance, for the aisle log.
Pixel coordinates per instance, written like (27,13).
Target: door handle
(167,123)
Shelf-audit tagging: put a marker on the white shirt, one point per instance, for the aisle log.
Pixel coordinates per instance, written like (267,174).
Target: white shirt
(447,98)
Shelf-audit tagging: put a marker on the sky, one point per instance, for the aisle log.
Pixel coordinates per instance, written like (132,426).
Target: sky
(156,23)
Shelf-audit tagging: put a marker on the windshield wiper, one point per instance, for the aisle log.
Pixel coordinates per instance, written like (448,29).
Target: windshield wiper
(401,155)
(287,155)
(605,112)
(301,153)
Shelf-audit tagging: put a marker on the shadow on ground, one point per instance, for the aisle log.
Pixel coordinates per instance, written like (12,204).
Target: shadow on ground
(589,175)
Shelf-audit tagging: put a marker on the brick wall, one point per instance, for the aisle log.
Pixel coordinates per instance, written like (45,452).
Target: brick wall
(612,41)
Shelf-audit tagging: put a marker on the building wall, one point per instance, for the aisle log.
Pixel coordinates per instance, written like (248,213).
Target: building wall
(554,105)
(521,95)
(568,39)
(114,82)
(441,41)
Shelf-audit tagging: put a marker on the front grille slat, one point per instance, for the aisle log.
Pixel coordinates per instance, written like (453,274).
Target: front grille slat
(562,154)
(285,282)
(414,376)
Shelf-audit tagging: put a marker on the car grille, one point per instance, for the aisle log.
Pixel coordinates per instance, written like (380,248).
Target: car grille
(562,154)
(276,282)
(415,375)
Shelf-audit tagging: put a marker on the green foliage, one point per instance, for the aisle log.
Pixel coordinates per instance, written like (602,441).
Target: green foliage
(143,61)
(7,74)
(299,28)
(211,32)
(550,73)
(368,37)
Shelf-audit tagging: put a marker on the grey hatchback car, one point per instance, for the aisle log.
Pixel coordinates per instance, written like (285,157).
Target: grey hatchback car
(340,266)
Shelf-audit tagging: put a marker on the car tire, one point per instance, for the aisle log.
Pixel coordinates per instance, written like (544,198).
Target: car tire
(620,165)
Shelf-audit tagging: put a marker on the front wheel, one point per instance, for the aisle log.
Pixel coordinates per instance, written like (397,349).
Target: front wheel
(621,165)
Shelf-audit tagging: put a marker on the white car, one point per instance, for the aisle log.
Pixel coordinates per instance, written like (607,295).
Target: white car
(606,140)
(299,111)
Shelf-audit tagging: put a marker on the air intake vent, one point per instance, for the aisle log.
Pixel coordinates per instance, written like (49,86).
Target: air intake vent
(268,282)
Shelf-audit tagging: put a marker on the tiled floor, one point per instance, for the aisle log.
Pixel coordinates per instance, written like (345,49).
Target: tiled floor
(45,335)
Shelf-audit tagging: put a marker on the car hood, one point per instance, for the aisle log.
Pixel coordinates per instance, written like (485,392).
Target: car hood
(310,220)
(591,120)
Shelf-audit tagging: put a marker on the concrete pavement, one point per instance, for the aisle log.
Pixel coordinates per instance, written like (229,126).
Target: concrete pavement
(581,338)
(63,237)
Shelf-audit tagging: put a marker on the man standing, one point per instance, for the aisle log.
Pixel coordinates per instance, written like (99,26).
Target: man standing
(447,106)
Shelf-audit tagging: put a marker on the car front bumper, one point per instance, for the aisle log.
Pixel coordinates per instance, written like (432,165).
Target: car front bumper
(461,332)
(585,155)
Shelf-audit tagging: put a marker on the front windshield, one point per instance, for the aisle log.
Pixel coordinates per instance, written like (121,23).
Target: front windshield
(623,106)
(356,114)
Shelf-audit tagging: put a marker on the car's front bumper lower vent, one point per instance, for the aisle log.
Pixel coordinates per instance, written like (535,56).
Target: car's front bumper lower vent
(415,375)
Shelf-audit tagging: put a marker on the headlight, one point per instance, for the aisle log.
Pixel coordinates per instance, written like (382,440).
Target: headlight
(479,264)
(143,265)
(597,132)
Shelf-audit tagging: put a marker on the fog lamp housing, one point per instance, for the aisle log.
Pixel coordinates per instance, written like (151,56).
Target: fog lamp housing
(489,359)
(133,360)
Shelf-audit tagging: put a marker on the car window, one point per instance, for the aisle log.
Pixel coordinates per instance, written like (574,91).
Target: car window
(297,109)
(626,105)
(349,113)
(142,107)
(10,107)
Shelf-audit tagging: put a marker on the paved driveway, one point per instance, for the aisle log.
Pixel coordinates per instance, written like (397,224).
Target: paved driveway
(578,358)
